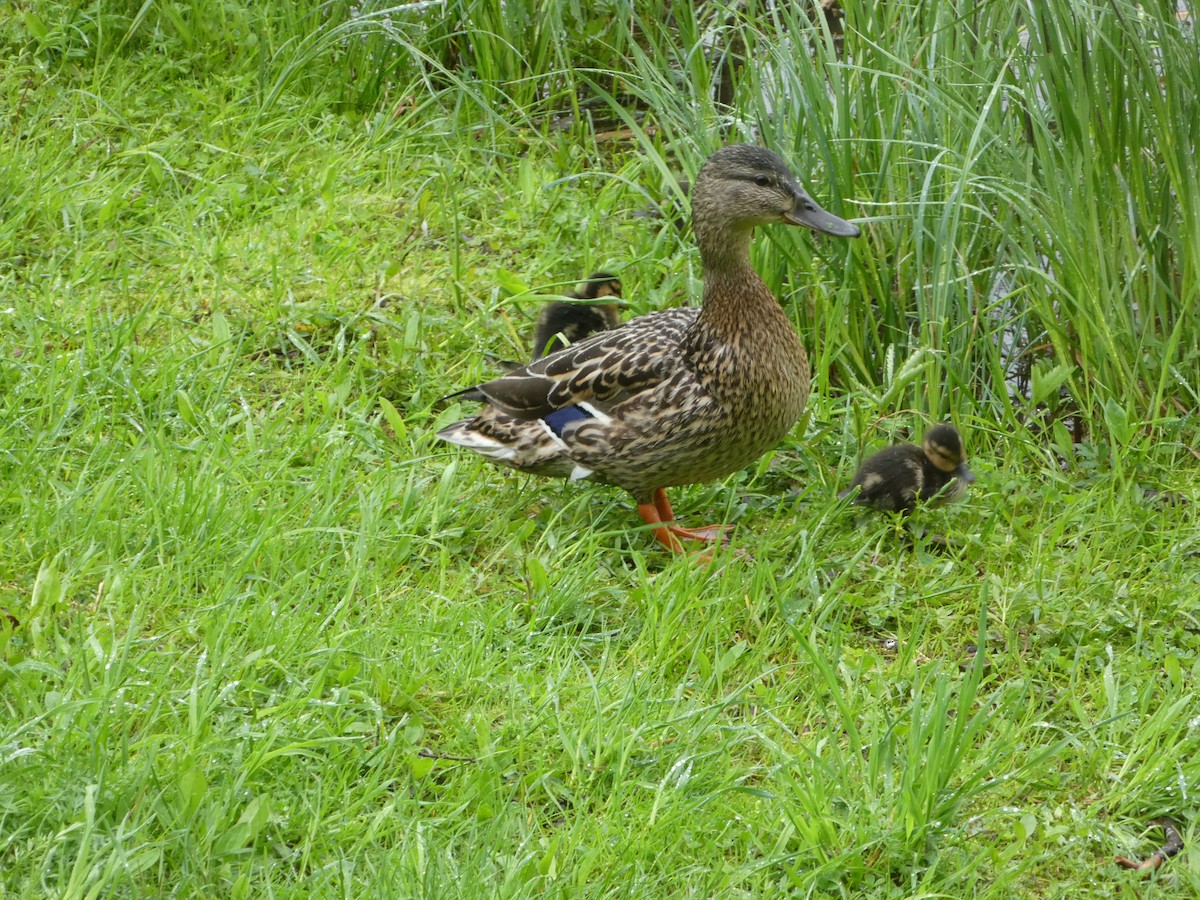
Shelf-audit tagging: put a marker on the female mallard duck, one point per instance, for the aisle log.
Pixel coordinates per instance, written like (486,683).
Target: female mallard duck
(679,396)
(579,317)
(900,476)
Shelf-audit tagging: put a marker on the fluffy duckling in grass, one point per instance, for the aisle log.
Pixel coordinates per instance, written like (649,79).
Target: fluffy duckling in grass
(900,477)
(579,317)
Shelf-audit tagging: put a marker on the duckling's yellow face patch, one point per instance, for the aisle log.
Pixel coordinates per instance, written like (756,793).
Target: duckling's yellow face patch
(947,459)
(609,289)
(871,482)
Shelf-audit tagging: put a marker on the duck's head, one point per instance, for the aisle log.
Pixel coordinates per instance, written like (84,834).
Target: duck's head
(944,448)
(741,186)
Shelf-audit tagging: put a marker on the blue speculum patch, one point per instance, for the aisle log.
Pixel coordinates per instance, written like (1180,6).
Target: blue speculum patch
(561,418)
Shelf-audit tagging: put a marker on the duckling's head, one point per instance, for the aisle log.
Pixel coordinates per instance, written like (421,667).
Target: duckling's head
(581,316)
(944,448)
(598,316)
(741,186)
(599,285)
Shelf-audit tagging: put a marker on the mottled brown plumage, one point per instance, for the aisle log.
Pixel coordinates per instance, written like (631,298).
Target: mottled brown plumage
(679,396)
(900,477)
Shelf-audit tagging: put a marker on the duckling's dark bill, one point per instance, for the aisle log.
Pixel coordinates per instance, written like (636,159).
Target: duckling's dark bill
(819,220)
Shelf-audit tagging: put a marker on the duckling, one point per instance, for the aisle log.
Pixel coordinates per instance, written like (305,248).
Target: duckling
(903,475)
(580,318)
(678,396)
(573,319)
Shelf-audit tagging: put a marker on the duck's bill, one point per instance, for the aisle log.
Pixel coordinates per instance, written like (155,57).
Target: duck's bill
(812,216)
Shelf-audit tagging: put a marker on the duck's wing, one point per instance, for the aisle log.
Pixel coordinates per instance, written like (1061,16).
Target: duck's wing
(603,369)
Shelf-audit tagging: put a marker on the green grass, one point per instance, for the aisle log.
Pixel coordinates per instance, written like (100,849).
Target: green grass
(272,639)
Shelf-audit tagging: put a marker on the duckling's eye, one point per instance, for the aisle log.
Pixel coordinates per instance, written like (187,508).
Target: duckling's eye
(762,180)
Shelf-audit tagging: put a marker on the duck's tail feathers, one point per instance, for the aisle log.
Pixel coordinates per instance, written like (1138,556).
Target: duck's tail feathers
(464,435)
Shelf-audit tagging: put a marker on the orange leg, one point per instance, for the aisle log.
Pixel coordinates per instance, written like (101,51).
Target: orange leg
(709,533)
(662,533)
(665,533)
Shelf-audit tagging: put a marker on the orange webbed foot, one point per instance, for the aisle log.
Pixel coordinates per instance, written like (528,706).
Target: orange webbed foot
(709,534)
(659,516)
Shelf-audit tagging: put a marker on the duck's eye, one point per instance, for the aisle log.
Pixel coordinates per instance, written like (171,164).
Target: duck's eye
(762,180)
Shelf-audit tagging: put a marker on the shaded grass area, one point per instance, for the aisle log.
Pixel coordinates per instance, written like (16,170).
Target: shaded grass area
(268,637)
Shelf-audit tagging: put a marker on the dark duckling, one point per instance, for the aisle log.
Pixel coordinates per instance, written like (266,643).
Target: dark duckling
(678,396)
(900,477)
(580,317)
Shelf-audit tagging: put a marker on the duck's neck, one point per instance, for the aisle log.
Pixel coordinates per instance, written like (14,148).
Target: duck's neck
(723,249)
(735,297)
